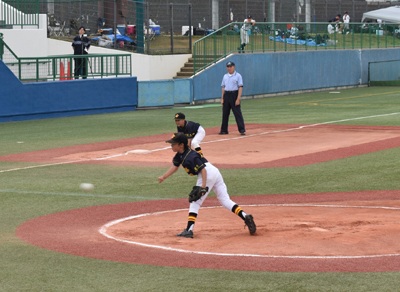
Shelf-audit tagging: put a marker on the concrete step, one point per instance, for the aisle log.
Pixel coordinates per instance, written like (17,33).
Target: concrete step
(185,74)
(187,69)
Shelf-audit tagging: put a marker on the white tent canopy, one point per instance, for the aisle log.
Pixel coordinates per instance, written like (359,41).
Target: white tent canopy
(389,14)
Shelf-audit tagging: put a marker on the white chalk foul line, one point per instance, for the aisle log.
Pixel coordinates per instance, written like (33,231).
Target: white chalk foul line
(299,128)
(103,231)
(213,141)
(129,152)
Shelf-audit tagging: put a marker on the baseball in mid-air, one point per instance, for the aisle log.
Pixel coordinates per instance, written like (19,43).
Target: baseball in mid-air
(86,187)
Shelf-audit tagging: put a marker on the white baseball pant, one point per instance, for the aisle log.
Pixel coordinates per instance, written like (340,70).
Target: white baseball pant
(215,182)
(201,133)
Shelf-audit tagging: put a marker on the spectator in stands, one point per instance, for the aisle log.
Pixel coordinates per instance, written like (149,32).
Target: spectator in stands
(380,21)
(346,20)
(80,45)
(338,21)
(331,29)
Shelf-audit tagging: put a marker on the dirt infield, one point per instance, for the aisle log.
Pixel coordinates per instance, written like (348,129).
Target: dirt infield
(327,232)
(263,146)
(324,232)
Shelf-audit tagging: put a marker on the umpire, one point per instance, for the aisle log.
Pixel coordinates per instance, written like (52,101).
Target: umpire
(232,86)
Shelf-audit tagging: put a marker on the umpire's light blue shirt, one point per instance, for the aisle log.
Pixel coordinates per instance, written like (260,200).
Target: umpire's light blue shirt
(232,82)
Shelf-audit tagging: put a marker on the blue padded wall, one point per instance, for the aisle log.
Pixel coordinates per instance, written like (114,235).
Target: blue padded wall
(164,92)
(27,101)
(266,73)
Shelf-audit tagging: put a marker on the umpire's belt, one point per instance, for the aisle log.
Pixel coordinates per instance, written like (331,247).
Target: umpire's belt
(234,91)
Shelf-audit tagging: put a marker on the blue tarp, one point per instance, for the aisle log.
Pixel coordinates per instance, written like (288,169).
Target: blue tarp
(120,37)
(293,42)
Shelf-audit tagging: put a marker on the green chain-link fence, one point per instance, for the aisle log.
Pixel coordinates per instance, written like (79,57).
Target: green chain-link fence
(50,68)
(273,37)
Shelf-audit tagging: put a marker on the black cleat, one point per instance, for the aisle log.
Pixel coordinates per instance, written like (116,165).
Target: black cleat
(186,233)
(223,133)
(248,220)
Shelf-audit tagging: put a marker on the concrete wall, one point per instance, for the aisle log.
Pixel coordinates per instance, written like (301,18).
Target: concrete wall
(30,41)
(144,67)
(268,73)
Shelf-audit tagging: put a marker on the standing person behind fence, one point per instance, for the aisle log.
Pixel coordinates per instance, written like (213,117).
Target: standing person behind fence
(245,31)
(346,20)
(80,45)
(232,86)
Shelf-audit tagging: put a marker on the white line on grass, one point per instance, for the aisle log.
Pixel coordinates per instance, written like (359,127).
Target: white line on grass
(219,140)
(77,194)
(42,165)
(103,231)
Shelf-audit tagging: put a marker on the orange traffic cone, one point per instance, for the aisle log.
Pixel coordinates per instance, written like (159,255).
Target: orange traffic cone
(69,77)
(62,72)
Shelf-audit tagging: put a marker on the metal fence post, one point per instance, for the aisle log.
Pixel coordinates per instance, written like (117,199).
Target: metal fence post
(115,23)
(80,12)
(1,46)
(148,28)
(190,27)
(139,27)
(172,27)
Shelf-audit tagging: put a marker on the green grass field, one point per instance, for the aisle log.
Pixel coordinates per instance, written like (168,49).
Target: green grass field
(26,193)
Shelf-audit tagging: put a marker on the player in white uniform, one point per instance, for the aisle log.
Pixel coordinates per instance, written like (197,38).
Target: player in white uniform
(346,20)
(245,31)
(207,176)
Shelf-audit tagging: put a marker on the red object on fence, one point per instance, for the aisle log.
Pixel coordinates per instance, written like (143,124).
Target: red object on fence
(69,77)
(62,72)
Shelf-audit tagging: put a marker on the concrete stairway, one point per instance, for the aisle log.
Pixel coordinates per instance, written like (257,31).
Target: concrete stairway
(187,69)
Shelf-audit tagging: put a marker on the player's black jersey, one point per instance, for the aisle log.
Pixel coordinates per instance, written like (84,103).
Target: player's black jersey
(189,129)
(191,161)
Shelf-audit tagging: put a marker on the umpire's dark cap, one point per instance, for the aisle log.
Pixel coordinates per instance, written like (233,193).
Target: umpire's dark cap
(179,116)
(229,64)
(178,138)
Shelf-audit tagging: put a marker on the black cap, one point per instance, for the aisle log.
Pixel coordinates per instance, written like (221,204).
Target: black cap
(249,16)
(178,138)
(345,12)
(230,63)
(179,116)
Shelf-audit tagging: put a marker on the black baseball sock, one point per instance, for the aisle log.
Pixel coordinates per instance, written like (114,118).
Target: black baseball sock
(198,149)
(238,211)
(191,221)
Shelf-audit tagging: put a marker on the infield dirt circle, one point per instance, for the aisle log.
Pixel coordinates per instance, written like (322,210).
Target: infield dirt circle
(320,232)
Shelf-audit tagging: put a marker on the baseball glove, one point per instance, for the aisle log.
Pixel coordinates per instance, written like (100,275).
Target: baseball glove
(196,193)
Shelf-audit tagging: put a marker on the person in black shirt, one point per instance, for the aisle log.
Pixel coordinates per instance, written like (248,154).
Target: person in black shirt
(207,176)
(80,45)
(194,131)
